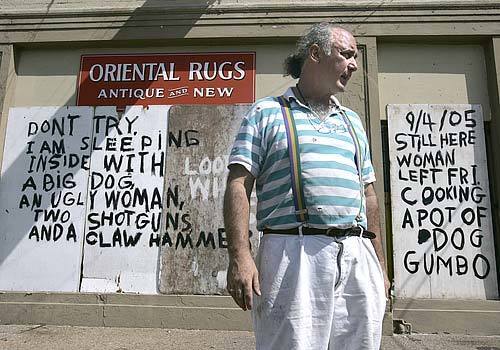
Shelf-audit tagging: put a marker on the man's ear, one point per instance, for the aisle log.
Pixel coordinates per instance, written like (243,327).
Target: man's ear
(314,53)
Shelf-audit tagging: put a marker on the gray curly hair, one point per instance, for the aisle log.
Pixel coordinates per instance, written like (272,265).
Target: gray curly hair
(319,34)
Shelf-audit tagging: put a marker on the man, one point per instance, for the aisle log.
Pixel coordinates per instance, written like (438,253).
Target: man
(319,283)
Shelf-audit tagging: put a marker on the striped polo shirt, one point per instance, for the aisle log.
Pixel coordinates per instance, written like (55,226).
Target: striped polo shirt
(329,173)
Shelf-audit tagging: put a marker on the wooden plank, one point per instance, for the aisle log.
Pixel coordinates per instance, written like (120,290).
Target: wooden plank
(194,256)
(125,200)
(42,190)
(443,234)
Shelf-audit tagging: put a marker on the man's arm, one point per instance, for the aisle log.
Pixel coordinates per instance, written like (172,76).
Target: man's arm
(242,275)
(373,217)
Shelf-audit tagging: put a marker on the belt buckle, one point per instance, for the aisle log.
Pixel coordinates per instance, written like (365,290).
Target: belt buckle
(330,232)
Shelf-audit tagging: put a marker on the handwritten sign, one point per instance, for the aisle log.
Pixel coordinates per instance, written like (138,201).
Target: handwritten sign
(42,198)
(93,200)
(443,237)
(125,199)
(194,244)
(167,79)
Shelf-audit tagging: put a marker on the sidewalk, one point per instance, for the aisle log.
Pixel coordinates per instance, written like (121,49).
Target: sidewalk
(97,338)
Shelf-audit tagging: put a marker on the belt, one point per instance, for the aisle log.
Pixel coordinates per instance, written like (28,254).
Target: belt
(331,232)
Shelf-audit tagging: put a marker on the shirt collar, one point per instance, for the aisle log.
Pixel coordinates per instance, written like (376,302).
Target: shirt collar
(336,102)
(290,96)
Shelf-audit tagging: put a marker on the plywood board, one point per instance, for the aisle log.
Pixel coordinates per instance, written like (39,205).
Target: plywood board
(42,198)
(442,225)
(194,255)
(125,200)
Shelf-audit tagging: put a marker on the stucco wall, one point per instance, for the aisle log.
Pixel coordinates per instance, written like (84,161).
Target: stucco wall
(421,73)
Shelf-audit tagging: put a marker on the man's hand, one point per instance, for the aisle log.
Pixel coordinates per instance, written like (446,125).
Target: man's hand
(373,217)
(242,275)
(242,281)
(387,282)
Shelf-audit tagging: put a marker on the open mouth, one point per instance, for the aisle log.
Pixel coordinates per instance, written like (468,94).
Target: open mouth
(344,78)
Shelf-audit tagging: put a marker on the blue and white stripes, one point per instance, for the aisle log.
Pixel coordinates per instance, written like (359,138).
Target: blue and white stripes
(329,173)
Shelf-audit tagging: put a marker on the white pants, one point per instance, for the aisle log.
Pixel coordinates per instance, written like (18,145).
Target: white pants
(301,309)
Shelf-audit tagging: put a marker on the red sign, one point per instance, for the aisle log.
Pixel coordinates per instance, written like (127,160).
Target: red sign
(169,79)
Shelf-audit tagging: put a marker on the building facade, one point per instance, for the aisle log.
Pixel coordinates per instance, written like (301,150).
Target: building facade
(426,89)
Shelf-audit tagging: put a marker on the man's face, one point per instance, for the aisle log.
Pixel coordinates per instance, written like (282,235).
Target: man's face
(336,69)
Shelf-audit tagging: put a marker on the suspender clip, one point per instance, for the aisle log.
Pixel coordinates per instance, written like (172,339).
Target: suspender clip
(302,215)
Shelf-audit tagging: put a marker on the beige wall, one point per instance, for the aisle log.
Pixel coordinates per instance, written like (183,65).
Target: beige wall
(48,77)
(419,73)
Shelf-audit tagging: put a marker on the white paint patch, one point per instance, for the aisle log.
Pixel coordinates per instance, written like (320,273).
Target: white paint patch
(194,267)
(222,279)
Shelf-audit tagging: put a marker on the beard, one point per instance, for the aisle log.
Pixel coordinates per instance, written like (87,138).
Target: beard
(320,109)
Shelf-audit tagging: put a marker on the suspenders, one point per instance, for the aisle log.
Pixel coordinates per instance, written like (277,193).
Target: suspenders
(294,155)
(358,158)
